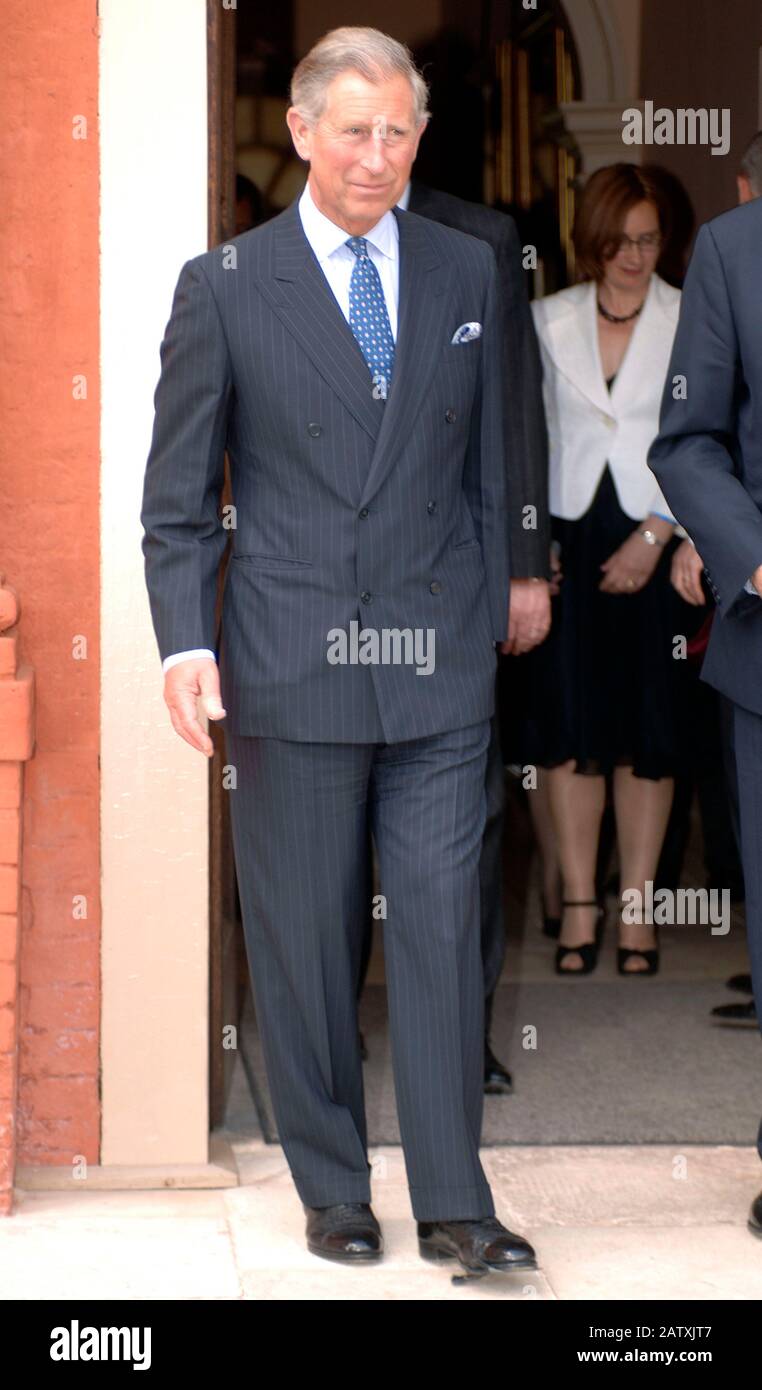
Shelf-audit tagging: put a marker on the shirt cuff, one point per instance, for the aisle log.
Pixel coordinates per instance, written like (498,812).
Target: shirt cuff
(749,587)
(186,656)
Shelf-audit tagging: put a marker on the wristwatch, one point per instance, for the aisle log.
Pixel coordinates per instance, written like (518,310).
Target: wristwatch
(649,536)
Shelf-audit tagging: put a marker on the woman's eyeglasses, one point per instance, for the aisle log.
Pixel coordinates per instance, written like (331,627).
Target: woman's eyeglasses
(647,243)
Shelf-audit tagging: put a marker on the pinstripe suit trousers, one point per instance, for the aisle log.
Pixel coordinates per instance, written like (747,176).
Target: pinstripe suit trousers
(300,813)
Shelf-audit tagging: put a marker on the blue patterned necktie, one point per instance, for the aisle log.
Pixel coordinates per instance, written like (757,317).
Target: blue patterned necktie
(369,319)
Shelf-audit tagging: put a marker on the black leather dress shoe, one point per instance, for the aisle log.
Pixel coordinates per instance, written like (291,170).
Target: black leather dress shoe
(745,1014)
(755,1216)
(740,982)
(347,1231)
(481,1246)
(497,1081)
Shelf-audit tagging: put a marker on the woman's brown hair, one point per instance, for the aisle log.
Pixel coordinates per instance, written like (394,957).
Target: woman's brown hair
(606,199)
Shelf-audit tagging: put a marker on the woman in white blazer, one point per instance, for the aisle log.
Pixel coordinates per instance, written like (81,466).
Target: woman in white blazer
(602,685)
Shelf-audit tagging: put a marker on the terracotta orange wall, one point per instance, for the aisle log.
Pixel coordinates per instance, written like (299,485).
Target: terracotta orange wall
(49,550)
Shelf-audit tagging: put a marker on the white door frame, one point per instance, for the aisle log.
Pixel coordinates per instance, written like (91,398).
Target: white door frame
(154,788)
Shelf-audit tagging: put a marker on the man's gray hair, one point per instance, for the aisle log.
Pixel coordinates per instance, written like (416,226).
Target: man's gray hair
(376,56)
(751,164)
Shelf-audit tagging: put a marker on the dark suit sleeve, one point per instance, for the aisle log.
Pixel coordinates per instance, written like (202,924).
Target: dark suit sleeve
(526,430)
(184,539)
(692,456)
(485,475)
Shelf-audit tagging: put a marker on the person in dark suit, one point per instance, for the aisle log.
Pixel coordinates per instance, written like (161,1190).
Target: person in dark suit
(524,413)
(708,460)
(530,540)
(347,355)
(529,519)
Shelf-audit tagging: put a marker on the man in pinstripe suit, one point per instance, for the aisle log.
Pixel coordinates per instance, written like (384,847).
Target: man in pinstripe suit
(346,354)
(527,484)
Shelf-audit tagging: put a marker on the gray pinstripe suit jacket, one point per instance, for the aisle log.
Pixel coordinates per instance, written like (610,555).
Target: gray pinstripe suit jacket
(392,514)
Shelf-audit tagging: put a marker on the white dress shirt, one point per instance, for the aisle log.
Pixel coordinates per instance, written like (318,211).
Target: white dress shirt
(337,262)
(328,241)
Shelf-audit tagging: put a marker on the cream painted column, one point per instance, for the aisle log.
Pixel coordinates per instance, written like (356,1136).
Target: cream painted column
(597,129)
(607,38)
(154,830)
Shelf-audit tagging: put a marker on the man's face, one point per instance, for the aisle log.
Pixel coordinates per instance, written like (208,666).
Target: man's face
(361,150)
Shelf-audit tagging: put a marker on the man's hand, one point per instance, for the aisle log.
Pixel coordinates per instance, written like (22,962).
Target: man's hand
(687,568)
(528,617)
(184,683)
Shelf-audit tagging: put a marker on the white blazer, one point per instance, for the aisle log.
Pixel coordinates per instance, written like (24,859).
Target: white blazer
(587,426)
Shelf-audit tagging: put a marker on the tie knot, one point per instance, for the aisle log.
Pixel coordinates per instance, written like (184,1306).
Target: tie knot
(358,244)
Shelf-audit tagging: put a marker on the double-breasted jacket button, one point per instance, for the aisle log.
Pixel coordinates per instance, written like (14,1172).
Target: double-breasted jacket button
(366,596)
(314,429)
(450,416)
(431,508)
(435,586)
(364,513)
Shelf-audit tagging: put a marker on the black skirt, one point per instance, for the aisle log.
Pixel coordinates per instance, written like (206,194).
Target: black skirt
(602,688)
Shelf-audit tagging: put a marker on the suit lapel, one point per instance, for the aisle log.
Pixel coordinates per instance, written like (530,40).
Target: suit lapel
(573,344)
(301,297)
(574,347)
(304,302)
(639,354)
(422,323)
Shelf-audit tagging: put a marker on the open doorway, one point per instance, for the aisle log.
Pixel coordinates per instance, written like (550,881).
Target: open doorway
(496,82)
(606,1071)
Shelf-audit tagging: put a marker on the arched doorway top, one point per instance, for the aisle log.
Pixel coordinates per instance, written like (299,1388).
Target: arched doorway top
(606,72)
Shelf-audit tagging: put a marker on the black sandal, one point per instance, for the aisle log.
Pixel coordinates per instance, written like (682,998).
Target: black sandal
(588,950)
(651,956)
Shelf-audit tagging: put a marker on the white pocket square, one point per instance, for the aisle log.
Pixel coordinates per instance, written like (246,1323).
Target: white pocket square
(466,333)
